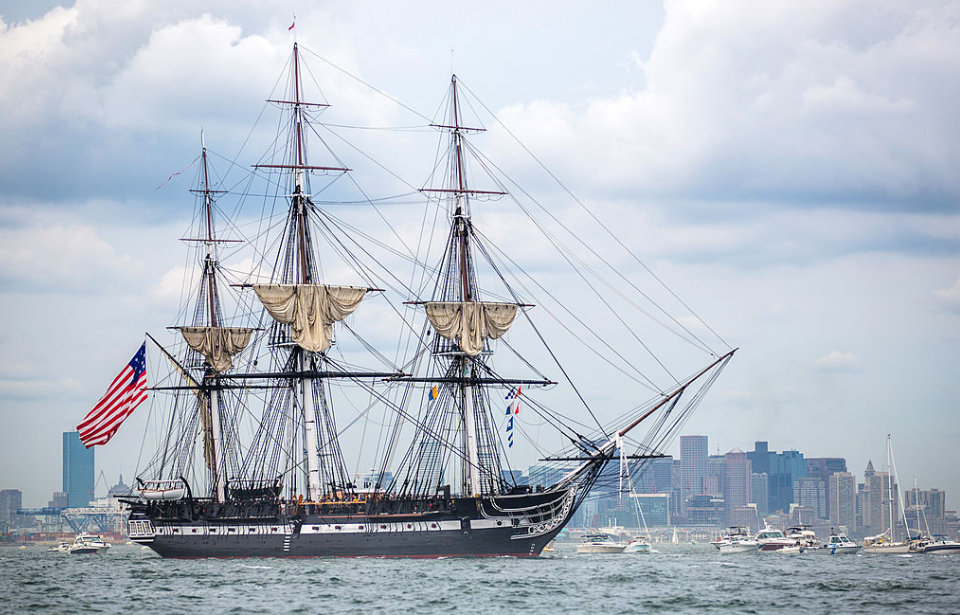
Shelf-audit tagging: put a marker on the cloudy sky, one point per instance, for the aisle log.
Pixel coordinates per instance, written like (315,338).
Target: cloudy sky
(790,169)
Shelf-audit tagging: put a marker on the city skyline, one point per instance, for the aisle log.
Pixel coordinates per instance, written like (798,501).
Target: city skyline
(696,490)
(822,494)
(547,474)
(789,172)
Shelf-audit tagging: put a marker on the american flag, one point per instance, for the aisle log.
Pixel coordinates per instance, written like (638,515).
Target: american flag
(127,391)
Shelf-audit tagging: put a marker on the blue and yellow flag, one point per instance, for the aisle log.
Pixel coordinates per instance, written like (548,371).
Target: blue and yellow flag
(433,393)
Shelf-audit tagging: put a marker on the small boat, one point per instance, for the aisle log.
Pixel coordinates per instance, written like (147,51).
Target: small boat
(803,539)
(883,543)
(736,540)
(550,548)
(638,544)
(600,543)
(162,490)
(85,544)
(63,547)
(772,539)
(837,545)
(941,547)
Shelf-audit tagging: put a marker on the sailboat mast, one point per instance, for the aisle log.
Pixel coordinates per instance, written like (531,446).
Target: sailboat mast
(903,509)
(471,474)
(890,488)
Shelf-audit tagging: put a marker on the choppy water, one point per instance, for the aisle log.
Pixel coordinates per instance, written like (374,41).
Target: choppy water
(675,579)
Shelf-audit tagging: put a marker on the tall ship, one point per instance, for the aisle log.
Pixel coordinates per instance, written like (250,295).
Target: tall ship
(282,430)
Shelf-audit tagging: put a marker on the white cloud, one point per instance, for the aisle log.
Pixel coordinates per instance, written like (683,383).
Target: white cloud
(170,288)
(949,297)
(779,99)
(187,71)
(62,256)
(837,361)
(30,53)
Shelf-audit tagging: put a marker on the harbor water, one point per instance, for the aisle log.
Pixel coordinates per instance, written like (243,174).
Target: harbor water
(673,579)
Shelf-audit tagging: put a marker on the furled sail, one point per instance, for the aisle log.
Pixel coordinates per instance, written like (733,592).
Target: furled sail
(310,309)
(217,344)
(206,424)
(470,322)
(203,399)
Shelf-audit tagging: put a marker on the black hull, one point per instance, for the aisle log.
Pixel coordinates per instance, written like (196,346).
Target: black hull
(518,526)
(445,543)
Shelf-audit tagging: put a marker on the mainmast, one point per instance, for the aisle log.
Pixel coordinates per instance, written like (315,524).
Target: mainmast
(304,277)
(471,477)
(302,305)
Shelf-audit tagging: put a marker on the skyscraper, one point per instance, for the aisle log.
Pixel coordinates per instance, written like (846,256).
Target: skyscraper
(693,466)
(843,500)
(10,501)
(713,479)
(932,501)
(810,492)
(662,470)
(782,470)
(823,468)
(736,479)
(653,475)
(78,474)
(759,483)
(790,466)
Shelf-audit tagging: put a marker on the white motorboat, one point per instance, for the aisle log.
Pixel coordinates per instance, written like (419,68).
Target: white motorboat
(941,547)
(638,544)
(772,539)
(802,538)
(600,543)
(736,540)
(85,544)
(838,544)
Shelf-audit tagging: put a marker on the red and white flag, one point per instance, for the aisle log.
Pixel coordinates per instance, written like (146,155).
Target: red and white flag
(127,391)
(293,24)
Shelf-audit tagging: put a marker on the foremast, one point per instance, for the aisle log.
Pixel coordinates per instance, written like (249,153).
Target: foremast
(458,314)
